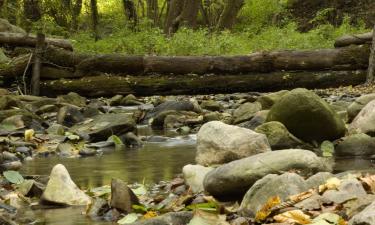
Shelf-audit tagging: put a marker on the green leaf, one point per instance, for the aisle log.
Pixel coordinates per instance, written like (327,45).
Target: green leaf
(13,177)
(141,190)
(208,206)
(115,140)
(130,218)
(140,208)
(100,191)
(327,149)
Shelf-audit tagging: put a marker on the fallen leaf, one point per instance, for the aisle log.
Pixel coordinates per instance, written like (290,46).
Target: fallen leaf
(29,134)
(13,177)
(294,216)
(130,218)
(149,215)
(266,209)
(331,184)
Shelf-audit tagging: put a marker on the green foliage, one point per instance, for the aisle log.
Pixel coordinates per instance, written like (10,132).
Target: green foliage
(13,177)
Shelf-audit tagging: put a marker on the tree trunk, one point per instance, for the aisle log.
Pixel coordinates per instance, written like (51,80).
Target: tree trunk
(35,79)
(95,18)
(130,12)
(32,10)
(76,11)
(371,66)
(153,11)
(174,10)
(229,14)
(189,13)
(354,39)
(208,84)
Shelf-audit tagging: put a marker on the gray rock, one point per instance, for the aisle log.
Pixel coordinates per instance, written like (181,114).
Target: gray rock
(98,208)
(366,217)
(130,100)
(358,105)
(13,165)
(103,126)
(307,116)
(349,189)
(172,218)
(56,129)
(219,143)
(269,186)
(364,122)
(122,197)
(356,145)
(318,179)
(65,149)
(211,116)
(170,106)
(246,112)
(72,99)
(115,100)
(87,152)
(258,119)
(194,176)
(278,136)
(268,100)
(131,140)
(62,190)
(236,177)
(69,116)
(211,105)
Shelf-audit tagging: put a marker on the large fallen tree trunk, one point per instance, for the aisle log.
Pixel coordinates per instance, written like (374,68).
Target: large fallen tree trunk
(192,84)
(18,39)
(353,39)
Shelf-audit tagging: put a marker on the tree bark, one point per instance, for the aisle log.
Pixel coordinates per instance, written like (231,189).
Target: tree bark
(189,84)
(130,11)
(76,10)
(35,79)
(371,66)
(354,39)
(174,10)
(229,15)
(189,14)
(32,10)
(95,18)
(18,39)
(153,11)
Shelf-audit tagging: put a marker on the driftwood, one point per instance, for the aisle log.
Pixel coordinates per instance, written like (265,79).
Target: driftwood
(18,39)
(353,39)
(105,85)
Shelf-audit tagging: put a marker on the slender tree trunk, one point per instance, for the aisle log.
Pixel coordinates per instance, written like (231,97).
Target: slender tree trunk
(153,10)
(371,67)
(189,13)
(76,10)
(174,10)
(95,18)
(229,14)
(130,12)
(35,80)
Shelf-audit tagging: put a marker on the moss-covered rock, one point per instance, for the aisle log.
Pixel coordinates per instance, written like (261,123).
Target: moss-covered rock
(307,116)
(268,100)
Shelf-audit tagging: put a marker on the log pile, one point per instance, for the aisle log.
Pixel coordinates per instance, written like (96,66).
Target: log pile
(109,74)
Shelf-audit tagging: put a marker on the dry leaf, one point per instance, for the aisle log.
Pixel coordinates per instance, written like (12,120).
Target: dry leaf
(369,183)
(301,196)
(331,184)
(266,209)
(294,216)
(150,214)
(29,134)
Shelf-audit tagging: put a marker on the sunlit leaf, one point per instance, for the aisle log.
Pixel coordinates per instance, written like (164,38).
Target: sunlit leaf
(327,149)
(141,190)
(149,215)
(331,184)
(130,218)
(207,206)
(294,216)
(29,134)
(265,211)
(100,191)
(13,176)
(140,208)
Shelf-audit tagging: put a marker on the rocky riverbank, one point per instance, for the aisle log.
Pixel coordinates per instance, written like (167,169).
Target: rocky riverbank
(261,158)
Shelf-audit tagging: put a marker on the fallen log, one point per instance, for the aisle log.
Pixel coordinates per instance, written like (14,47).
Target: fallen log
(52,73)
(353,39)
(106,85)
(19,39)
(16,67)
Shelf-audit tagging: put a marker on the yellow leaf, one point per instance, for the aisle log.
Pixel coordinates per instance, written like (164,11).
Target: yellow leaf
(294,216)
(150,214)
(29,134)
(265,211)
(301,196)
(331,184)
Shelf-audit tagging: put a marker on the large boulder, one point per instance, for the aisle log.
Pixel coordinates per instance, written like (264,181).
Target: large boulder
(246,111)
(307,116)
(364,122)
(103,126)
(366,217)
(269,186)
(219,143)
(356,145)
(62,190)
(358,105)
(268,100)
(236,177)
(278,136)
(194,176)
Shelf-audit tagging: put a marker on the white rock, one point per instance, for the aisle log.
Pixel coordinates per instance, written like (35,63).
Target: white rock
(194,176)
(62,190)
(364,122)
(219,143)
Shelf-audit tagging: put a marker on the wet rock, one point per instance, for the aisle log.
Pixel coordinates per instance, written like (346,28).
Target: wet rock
(31,188)
(69,116)
(170,106)
(219,143)
(356,145)
(131,140)
(358,105)
(103,126)
(130,100)
(72,99)
(18,112)
(349,189)
(122,197)
(9,156)
(236,177)
(89,112)
(46,109)
(87,151)
(172,218)
(194,176)
(364,122)
(11,165)
(278,136)
(211,105)
(115,100)
(211,116)
(65,149)
(97,208)
(269,186)
(258,119)
(246,112)
(24,150)
(62,190)
(307,116)
(268,100)
(366,217)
